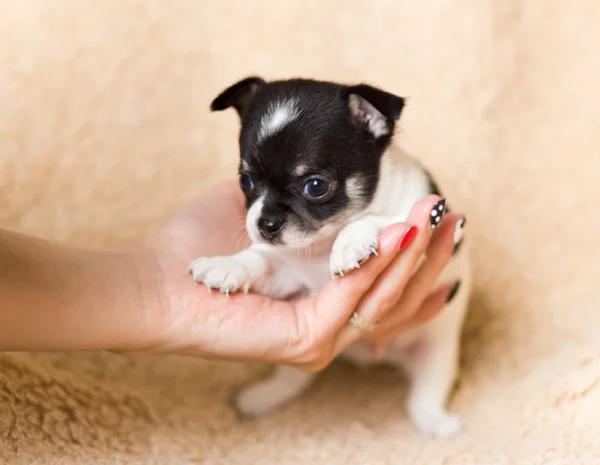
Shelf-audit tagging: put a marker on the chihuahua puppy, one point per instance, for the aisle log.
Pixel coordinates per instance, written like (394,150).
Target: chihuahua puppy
(322,178)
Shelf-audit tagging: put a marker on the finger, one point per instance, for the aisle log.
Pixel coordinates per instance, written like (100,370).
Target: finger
(332,307)
(340,296)
(391,283)
(431,307)
(439,252)
(379,298)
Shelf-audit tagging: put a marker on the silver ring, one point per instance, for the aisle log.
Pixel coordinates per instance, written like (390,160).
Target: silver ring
(359,323)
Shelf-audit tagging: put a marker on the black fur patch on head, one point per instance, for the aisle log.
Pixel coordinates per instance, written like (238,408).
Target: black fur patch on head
(298,130)
(239,95)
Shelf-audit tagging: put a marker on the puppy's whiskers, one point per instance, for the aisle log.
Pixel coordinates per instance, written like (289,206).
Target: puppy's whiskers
(240,234)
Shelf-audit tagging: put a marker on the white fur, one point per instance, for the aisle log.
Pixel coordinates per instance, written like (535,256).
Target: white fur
(287,383)
(230,274)
(252,217)
(354,244)
(429,354)
(458,231)
(279,115)
(301,170)
(354,191)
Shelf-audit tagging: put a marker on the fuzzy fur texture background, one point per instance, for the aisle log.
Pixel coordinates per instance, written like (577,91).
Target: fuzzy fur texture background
(105,129)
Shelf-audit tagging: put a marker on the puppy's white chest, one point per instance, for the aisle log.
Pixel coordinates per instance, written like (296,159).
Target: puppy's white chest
(309,275)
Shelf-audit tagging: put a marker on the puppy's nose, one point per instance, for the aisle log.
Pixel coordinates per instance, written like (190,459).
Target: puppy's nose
(269,226)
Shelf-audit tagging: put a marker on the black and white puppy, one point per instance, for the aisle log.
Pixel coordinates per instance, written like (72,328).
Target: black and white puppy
(321,180)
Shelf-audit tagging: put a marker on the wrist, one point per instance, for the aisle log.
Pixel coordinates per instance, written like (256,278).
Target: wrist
(147,300)
(123,295)
(59,298)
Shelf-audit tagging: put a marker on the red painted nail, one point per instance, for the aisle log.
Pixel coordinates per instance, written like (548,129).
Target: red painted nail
(407,236)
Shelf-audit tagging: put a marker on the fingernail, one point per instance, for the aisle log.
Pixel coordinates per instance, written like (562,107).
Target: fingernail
(437,212)
(453,291)
(458,233)
(407,236)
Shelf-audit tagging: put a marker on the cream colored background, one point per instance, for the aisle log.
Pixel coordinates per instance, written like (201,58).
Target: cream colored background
(105,129)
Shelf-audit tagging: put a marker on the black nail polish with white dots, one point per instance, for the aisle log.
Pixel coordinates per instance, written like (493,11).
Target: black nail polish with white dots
(437,212)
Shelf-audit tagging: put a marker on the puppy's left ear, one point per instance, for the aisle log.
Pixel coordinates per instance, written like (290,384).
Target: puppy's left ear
(238,95)
(375,108)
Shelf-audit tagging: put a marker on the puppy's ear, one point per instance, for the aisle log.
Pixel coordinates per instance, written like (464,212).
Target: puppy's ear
(375,108)
(239,95)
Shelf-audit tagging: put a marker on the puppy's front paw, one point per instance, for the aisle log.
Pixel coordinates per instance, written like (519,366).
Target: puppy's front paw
(355,243)
(226,274)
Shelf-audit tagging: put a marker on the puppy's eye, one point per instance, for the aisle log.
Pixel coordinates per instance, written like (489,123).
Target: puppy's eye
(246,182)
(316,188)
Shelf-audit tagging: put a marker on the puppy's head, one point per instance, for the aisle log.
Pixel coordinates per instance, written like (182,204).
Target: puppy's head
(310,153)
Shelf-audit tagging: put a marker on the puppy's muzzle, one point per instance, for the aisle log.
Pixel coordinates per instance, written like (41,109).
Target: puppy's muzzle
(269,226)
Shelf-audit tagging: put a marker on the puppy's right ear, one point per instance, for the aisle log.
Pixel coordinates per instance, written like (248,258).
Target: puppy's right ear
(238,96)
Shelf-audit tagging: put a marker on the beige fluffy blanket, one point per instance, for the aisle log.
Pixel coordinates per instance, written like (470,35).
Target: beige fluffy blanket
(105,108)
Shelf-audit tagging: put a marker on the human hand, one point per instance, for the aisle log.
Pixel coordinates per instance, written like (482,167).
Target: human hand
(308,332)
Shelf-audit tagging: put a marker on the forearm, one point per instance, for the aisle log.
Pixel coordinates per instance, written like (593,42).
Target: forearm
(57,298)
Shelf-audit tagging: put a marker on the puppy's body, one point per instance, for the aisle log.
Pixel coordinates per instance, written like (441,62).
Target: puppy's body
(364,184)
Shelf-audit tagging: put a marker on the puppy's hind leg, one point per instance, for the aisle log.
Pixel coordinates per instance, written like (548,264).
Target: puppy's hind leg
(432,365)
(432,368)
(272,394)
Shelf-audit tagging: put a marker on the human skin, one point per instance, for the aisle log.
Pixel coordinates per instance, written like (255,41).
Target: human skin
(140,299)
